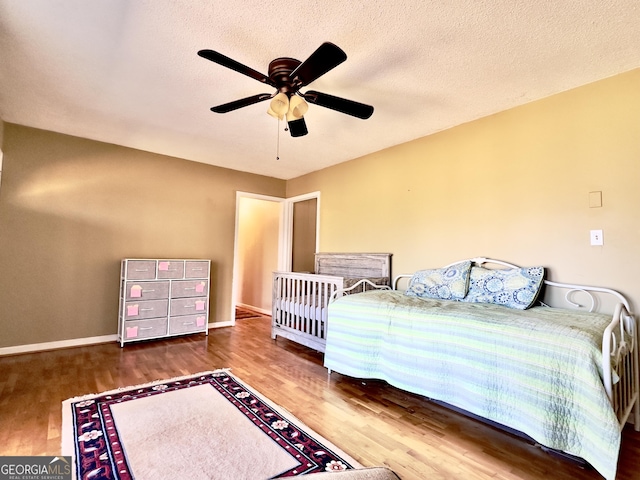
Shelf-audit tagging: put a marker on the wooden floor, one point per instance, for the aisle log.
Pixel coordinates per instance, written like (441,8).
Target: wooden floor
(373,422)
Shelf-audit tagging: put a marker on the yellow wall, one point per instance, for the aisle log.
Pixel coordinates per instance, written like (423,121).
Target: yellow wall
(513,186)
(258,230)
(71,208)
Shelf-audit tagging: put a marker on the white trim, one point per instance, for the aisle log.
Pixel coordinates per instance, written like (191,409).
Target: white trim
(286,236)
(281,252)
(81,342)
(287,233)
(263,311)
(284,248)
(41,347)
(228,323)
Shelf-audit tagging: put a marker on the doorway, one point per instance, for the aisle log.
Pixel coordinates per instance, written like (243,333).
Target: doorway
(271,234)
(304,231)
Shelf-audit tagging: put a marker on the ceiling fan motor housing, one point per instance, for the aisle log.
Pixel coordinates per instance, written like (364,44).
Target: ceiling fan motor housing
(280,70)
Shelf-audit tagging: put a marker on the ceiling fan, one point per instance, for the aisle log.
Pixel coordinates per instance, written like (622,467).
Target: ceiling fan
(288,76)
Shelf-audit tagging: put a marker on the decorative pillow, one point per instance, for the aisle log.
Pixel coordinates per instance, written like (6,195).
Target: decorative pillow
(448,283)
(514,288)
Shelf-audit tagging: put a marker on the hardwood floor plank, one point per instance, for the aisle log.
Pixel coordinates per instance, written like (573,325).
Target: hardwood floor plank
(373,422)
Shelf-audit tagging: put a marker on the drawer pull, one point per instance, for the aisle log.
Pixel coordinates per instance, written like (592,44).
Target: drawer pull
(146,328)
(199,269)
(148,291)
(189,288)
(188,323)
(146,309)
(142,269)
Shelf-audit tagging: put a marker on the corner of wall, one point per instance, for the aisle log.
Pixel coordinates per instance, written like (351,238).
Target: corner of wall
(1,140)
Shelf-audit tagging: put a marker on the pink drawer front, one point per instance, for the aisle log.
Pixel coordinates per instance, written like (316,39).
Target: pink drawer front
(189,306)
(146,290)
(189,288)
(196,269)
(188,323)
(134,310)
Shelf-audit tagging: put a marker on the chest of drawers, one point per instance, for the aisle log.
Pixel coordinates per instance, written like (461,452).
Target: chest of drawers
(163,297)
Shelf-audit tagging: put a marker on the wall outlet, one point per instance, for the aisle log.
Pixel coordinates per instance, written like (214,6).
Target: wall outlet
(596,237)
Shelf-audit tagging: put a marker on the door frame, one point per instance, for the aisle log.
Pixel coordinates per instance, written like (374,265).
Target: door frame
(285,236)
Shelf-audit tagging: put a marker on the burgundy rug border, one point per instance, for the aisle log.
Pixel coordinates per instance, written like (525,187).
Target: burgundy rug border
(99,453)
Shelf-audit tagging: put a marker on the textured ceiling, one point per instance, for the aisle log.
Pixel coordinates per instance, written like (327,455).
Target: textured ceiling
(126,71)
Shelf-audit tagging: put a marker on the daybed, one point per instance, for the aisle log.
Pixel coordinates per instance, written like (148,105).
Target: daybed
(481,340)
(300,300)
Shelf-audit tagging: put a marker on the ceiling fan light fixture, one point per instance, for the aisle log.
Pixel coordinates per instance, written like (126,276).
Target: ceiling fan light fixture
(297,107)
(274,114)
(279,105)
(297,127)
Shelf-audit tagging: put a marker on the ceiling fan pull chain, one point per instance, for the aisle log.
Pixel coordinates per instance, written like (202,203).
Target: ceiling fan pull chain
(278,142)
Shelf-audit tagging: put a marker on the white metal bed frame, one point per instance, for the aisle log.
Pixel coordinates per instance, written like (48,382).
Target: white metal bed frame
(623,391)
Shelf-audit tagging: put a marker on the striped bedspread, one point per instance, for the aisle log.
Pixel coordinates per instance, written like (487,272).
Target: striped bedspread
(537,371)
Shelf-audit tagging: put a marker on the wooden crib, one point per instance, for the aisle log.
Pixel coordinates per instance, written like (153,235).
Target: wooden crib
(300,300)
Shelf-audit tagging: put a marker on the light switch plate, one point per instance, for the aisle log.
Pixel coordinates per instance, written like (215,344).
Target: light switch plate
(596,237)
(595,199)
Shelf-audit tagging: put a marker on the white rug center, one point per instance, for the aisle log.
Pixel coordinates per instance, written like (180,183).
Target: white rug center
(195,433)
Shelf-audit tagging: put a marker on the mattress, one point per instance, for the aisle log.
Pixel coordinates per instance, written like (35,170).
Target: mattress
(538,371)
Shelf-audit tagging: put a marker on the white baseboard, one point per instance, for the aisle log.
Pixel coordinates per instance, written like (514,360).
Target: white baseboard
(41,347)
(228,323)
(263,311)
(79,342)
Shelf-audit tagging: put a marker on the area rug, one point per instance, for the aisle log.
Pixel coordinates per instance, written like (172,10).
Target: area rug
(206,426)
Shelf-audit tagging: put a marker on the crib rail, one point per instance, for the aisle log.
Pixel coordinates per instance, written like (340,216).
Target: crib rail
(299,307)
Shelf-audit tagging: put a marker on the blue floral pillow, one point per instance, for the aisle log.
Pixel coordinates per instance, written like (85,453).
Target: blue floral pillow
(449,283)
(514,288)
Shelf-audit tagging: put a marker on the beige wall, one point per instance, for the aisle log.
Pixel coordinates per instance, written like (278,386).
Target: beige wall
(513,186)
(71,208)
(258,230)
(1,153)
(303,243)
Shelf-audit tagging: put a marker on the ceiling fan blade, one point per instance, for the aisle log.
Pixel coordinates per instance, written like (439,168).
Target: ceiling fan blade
(233,65)
(243,102)
(298,127)
(356,109)
(326,57)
